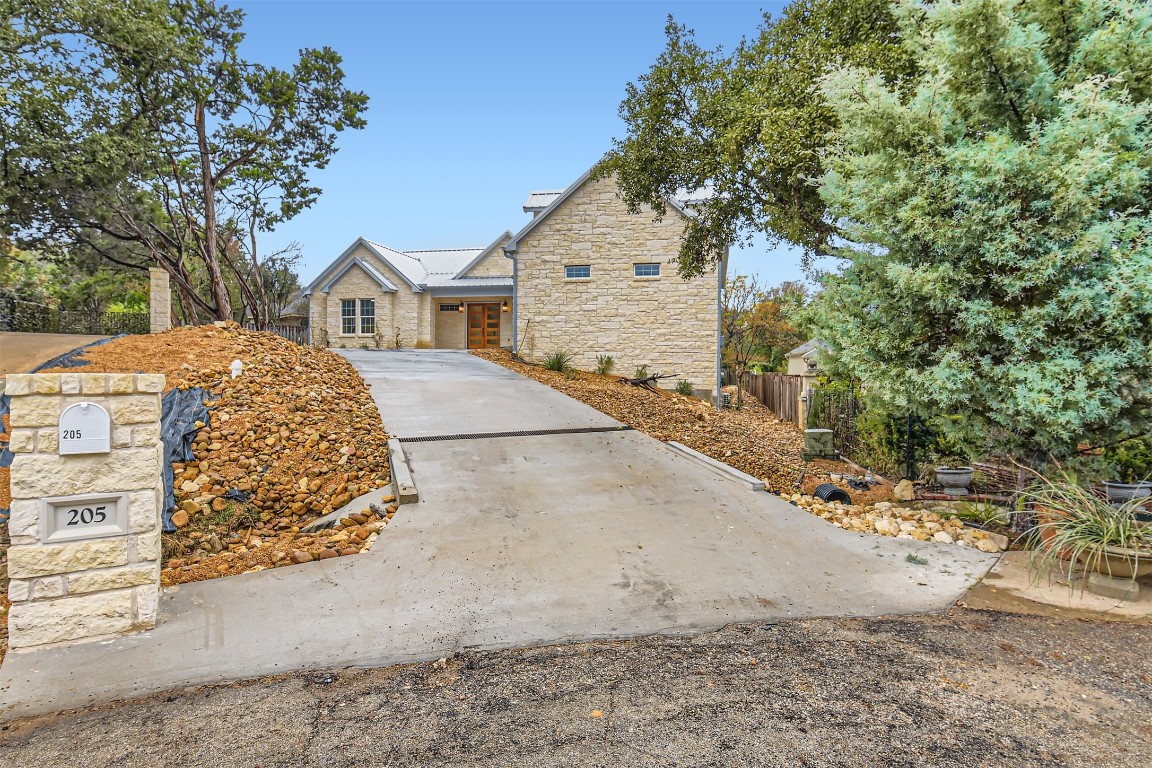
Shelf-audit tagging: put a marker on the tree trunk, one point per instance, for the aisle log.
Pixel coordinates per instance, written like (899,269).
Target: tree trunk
(210,248)
(262,316)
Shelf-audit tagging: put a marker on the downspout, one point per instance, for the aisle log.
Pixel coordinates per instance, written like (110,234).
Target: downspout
(721,271)
(515,300)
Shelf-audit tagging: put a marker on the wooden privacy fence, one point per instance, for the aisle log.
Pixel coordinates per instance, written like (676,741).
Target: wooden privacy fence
(295,333)
(779,393)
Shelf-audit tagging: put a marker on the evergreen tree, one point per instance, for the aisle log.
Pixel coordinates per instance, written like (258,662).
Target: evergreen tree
(999,211)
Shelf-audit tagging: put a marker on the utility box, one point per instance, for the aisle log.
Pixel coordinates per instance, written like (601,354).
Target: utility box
(818,445)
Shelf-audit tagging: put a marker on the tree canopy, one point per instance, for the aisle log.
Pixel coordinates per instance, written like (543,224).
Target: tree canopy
(750,125)
(1000,215)
(139,131)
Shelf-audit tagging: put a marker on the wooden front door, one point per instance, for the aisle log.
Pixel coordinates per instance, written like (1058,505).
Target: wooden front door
(483,325)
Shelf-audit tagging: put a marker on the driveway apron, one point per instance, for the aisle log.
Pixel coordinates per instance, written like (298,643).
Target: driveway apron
(516,540)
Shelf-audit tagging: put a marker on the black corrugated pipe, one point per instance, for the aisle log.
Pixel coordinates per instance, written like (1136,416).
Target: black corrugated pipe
(829,492)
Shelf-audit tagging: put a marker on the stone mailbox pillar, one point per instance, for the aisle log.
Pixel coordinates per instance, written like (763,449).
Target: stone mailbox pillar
(159,300)
(86,498)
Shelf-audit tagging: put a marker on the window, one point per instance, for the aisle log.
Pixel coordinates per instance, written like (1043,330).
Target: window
(449,307)
(646,270)
(348,316)
(350,319)
(575,273)
(367,316)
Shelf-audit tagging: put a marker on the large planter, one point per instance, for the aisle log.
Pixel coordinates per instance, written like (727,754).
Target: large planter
(955,480)
(1122,563)
(1119,493)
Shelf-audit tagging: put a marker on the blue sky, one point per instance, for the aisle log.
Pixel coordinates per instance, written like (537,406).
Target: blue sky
(474,104)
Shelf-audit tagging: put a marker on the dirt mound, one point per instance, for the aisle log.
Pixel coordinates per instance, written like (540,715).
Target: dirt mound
(295,436)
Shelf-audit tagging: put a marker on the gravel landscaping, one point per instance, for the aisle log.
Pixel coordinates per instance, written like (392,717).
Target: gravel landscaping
(974,688)
(295,436)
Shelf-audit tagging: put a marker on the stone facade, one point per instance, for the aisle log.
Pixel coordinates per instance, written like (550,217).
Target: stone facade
(494,263)
(84,588)
(450,327)
(159,300)
(665,323)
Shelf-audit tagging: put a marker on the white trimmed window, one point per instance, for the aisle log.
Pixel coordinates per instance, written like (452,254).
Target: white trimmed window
(348,316)
(367,316)
(646,270)
(357,313)
(449,307)
(577,272)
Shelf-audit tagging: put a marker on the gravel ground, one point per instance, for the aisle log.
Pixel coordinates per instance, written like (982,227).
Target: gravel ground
(975,688)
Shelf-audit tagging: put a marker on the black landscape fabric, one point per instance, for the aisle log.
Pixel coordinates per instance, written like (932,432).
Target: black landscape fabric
(180,410)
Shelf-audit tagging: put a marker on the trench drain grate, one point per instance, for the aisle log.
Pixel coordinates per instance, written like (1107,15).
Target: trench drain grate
(520,433)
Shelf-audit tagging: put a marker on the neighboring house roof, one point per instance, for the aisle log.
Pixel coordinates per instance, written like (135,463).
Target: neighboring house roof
(419,269)
(682,202)
(296,305)
(538,201)
(805,349)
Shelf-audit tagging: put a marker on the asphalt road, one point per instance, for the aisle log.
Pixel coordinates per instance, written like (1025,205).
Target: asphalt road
(976,688)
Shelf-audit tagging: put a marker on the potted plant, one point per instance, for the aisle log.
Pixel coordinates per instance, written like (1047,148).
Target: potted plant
(954,478)
(1131,462)
(1079,525)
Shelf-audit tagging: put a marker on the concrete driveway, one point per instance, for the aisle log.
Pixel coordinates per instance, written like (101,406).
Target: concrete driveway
(516,541)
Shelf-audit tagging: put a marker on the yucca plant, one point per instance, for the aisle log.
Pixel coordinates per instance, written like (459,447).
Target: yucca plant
(559,361)
(684,387)
(604,364)
(1078,525)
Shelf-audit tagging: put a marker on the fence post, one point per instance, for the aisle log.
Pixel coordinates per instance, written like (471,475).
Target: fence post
(159,300)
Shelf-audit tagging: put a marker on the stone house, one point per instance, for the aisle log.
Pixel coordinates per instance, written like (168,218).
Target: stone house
(584,276)
(375,296)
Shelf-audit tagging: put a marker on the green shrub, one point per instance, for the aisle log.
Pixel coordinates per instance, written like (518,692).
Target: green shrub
(1131,460)
(604,364)
(559,361)
(641,372)
(684,387)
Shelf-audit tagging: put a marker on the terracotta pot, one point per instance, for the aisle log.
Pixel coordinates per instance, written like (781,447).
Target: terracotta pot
(1045,515)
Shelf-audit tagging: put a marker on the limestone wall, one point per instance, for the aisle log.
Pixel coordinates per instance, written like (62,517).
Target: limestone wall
(664,322)
(159,300)
(494,264)
(84,588)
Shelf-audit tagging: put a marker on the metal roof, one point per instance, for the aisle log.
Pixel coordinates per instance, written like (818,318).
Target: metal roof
(539,200)
(470,282)
(438,266)
(443,261)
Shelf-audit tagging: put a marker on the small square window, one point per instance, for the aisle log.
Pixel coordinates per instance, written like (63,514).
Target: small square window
(646,270)
(577,272)
(449,307)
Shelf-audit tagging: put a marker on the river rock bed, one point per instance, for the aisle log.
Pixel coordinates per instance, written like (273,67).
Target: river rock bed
(888,519)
